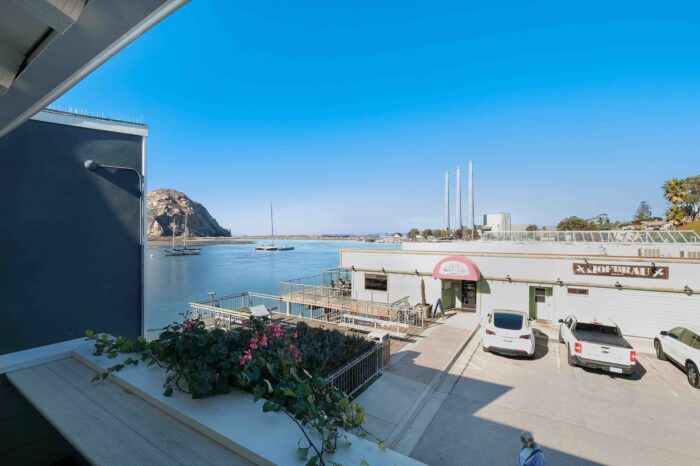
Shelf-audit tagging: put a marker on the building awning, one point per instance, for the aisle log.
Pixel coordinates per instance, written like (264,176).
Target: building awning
(456,268)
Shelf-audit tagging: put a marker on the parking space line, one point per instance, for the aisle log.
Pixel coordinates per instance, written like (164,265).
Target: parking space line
(652,364)
(558,360)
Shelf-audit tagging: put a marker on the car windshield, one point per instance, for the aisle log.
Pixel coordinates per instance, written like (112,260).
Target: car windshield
(597,328)
(508,321)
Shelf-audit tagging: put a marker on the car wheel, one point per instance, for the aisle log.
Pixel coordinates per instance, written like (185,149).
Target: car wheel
(659,350)
(693,376)
(570,358)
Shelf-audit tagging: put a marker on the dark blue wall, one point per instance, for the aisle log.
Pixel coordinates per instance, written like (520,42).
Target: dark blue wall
(70,257)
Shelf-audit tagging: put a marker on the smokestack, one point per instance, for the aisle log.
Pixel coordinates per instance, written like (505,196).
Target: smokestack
(447,200)
(470,202)
(458,200)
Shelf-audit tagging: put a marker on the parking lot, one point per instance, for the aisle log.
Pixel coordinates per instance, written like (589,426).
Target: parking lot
(579,416)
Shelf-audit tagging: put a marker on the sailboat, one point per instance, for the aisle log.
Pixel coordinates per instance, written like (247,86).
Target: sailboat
(184,250)
(272,246)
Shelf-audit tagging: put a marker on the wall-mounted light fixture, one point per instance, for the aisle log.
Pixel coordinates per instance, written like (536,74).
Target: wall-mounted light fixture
(559,282)
(688,290)
(383,270)
(508,278)
(92,166)
(417,272)
(352,267)
(585,261)
(618,285)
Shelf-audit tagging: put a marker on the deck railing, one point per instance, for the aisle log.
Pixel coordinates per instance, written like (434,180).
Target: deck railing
(323,304)
(375,313)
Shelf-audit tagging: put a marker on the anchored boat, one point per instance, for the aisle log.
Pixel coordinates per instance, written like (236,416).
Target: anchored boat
(272,246)
(184,250)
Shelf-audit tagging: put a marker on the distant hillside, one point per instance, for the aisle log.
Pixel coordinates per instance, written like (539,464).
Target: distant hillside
(167,209)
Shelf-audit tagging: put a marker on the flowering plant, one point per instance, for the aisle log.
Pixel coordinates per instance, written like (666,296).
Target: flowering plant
(264,358)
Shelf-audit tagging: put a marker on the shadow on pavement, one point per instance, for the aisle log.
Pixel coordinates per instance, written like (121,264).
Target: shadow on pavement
(459,434)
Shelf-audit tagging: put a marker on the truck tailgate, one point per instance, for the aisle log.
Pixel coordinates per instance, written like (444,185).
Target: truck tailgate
(604,353)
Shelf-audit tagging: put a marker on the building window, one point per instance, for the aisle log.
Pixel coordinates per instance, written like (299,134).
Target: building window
(375,282)
(577,291)
(540,295)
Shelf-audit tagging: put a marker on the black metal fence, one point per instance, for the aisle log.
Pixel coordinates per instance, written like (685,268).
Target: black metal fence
(358,372)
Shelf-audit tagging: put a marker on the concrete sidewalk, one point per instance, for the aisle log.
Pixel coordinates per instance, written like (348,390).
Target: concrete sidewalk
(414,373)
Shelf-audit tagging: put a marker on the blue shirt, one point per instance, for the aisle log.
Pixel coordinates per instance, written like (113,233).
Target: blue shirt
(531,456)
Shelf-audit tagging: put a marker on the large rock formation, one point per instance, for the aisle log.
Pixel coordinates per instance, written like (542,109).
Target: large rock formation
(167,209)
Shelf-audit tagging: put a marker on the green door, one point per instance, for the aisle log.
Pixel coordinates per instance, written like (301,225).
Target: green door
(448,294)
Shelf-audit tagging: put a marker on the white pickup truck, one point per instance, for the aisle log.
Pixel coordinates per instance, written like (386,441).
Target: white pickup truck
(597,344)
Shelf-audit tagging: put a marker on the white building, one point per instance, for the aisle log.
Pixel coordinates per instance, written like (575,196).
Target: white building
(497,222)
(644,281)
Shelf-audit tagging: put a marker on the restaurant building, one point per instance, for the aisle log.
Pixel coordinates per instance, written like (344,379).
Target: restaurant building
(643,281)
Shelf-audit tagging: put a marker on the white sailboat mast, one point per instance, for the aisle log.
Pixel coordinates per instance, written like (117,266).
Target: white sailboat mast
(272,227)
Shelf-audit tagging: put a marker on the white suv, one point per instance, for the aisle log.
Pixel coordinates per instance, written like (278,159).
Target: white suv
(682,346)
(509,332)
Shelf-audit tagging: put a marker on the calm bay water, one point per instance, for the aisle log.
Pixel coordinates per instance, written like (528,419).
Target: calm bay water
(172,282)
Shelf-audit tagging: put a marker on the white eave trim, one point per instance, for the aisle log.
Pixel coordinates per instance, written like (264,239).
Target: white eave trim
(91,123)
(154,18)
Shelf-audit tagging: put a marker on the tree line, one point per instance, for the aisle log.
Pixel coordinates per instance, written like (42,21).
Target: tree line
(683,196)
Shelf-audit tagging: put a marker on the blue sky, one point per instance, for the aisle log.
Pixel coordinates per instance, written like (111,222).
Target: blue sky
(346,115)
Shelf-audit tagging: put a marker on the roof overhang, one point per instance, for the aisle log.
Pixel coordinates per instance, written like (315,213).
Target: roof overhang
(48,46)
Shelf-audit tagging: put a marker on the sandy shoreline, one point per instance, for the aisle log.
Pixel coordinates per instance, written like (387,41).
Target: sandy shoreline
(163,242)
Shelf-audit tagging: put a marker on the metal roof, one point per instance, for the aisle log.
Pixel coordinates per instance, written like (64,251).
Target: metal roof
(605,236)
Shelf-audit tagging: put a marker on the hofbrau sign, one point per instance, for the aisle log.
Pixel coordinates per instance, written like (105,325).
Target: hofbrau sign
(631,271)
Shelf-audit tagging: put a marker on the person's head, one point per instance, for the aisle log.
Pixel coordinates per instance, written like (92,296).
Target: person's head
(527,439)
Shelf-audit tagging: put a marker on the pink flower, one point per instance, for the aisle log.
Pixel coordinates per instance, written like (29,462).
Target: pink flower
(296,334)
(244,324)
(277,330)
(254,343)
(188,324)
(247,356)
(296,355)
(263,341)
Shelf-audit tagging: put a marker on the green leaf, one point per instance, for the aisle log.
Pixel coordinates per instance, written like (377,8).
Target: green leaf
(89,333)
(269,406)
(111,355)
(382,447)
(364,463)
(290,393)
(313,461)
(303,453)
(258,392)
(168,391)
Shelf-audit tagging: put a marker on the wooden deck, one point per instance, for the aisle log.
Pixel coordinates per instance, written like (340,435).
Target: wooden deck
(111,426)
